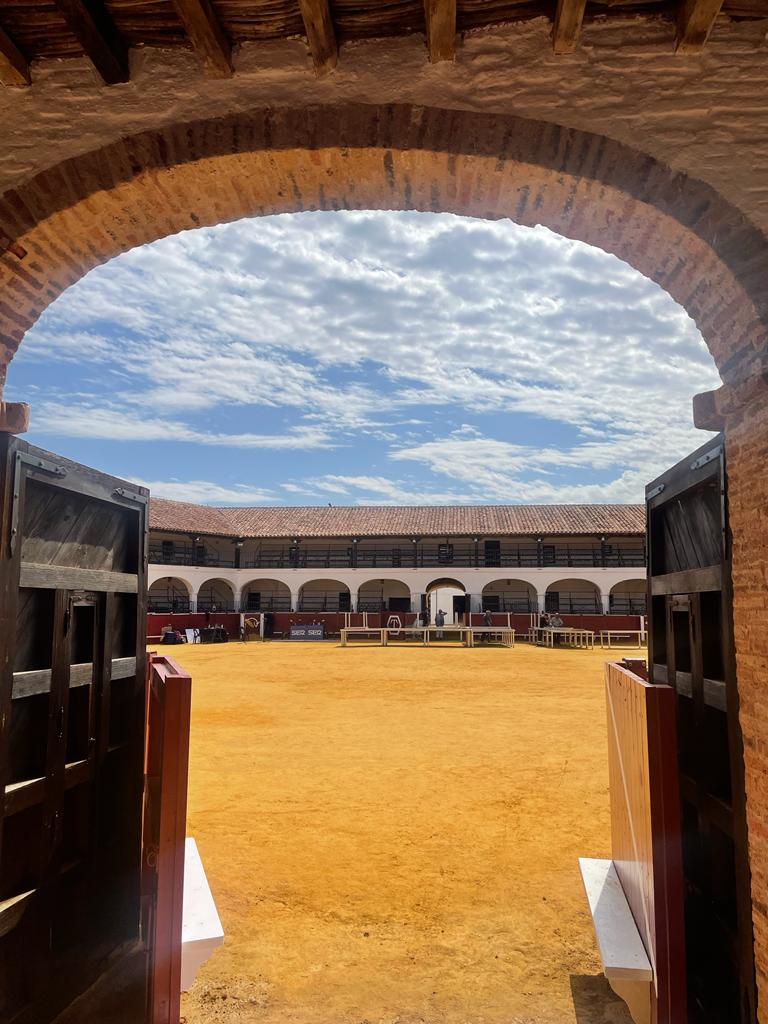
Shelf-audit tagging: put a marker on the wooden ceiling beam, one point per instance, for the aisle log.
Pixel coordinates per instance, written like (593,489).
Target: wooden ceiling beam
(14,66)
(89,22)
(208,38)
(440,16)
(694,23)
(567,28)
(321,35)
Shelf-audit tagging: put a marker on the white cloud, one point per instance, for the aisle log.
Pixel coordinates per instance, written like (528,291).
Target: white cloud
(205,492)
(120,424)
(355,329)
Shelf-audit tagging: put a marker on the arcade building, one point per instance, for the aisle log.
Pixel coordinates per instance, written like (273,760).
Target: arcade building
(573,559)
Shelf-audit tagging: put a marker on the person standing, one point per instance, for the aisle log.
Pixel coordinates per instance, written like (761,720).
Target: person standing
(440,622)
(487,622)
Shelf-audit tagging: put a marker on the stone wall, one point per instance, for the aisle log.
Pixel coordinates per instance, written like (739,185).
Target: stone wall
(747,459)
(655,157)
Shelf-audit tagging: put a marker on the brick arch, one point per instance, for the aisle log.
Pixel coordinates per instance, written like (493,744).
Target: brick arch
(677,231)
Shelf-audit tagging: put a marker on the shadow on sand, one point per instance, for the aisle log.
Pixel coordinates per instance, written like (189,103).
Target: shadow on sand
(594,1001)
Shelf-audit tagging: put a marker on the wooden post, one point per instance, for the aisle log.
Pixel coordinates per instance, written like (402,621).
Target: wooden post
(165,816)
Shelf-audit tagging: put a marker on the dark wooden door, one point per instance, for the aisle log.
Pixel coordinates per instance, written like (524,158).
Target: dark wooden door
(72,693)
(692,649)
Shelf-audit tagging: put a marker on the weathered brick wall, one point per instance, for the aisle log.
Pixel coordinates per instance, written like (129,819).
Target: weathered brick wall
(678,232)
(703,114)
(747,454)
(114,194)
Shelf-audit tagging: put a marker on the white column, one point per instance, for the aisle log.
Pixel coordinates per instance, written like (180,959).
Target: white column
(193,601)
(415,602)
(237,591)
(541,601)
(294,600)
(354,598)
(605,600)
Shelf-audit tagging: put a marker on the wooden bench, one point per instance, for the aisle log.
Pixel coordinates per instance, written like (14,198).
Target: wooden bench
(625,961)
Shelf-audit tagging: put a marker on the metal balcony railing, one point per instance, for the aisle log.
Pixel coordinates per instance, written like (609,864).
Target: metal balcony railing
(420,556)
(159,555)
(575,603)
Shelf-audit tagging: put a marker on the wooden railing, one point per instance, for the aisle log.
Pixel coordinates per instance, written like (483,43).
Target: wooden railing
(165,816)
(645,827)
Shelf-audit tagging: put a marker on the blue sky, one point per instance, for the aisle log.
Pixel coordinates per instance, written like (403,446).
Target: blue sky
(367,358)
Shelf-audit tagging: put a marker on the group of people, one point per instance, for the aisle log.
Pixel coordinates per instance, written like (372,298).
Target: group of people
(439,621)
(551,619)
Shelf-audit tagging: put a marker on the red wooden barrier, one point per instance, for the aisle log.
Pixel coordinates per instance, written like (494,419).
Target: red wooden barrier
(645,827)
(165,818)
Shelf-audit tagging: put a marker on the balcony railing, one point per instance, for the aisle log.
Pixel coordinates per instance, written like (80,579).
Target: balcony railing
(159,555)
(628,604)
(417,556)
(575,603)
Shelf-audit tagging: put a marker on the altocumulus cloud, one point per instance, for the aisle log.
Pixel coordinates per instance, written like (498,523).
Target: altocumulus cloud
(414,357)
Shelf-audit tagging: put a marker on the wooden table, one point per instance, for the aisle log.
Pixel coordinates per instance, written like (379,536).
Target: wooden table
(574,637)
(383,633)
(505,634)
(607,635)
(369,630)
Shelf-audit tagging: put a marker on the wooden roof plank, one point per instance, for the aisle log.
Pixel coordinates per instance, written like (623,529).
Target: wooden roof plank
(440,16)
(207,37)
(694,23)
(321,34)
(14,67)
(100,40)
(568,18)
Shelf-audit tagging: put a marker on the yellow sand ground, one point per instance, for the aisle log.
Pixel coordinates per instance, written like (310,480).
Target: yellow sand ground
(391,835)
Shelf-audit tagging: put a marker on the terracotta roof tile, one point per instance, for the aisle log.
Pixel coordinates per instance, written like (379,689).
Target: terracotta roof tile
(396,521)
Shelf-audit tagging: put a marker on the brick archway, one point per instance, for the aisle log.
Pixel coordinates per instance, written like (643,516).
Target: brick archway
(676,231)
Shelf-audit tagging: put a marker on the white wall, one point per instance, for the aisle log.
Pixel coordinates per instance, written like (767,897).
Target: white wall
(473,580)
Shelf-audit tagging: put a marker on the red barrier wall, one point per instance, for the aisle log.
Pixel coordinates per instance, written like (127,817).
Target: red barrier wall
(193,620)
(333,621)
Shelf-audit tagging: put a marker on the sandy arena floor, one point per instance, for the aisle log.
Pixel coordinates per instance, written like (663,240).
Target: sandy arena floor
(391,835)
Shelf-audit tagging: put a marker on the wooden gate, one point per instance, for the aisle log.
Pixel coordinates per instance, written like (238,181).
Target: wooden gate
(72,705)
(692,649)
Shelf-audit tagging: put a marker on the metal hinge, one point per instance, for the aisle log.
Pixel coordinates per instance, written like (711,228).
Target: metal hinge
(655,492)
(34,462)
(127,495)
(713,453)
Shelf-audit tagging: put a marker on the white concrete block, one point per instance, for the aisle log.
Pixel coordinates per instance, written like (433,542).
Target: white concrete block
(201,930)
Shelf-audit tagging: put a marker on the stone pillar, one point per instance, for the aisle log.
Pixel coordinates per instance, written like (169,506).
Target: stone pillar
(294,600)
(742,411)
(605,601)
(237,596)
(541,600)
(193,600)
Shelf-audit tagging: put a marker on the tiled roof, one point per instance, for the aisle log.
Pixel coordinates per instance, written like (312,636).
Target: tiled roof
(396,521)
(184,517)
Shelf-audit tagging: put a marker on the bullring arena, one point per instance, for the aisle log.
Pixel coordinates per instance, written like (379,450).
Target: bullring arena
(392,834)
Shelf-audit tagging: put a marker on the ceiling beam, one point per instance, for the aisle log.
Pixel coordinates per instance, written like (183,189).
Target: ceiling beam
(568,18)
(14,66)
(207,37)
(89,22)
(694,23)
(321,35)
(440,16)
